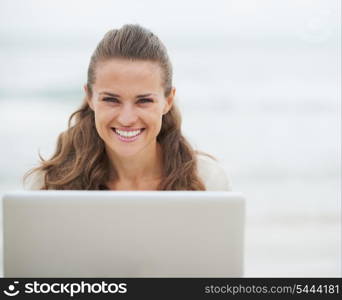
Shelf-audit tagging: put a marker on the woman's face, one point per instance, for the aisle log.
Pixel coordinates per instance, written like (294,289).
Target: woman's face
(128,101)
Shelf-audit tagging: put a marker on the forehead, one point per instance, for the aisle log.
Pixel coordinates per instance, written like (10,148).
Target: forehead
(126,77)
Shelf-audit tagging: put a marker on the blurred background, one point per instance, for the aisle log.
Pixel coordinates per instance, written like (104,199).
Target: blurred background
(258,83)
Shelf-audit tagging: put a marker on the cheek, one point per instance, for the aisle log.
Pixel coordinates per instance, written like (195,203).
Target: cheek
(153,117)
(102,116)
(102,120)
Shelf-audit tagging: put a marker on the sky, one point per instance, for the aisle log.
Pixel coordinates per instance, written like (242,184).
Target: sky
(234,17)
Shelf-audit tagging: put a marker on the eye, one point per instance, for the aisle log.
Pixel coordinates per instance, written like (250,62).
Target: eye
(145,100)
(110,100)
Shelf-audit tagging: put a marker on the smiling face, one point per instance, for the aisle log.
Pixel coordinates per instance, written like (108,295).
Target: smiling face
(128,101)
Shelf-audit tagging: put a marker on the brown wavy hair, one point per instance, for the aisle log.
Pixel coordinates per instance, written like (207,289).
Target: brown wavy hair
(80,161)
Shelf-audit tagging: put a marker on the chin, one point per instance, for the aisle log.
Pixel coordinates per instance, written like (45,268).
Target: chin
(124,150)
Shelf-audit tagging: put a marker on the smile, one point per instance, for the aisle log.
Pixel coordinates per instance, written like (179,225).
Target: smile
(128,135)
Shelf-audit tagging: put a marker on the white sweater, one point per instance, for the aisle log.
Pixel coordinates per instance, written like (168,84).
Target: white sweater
(213,174)
(210,171)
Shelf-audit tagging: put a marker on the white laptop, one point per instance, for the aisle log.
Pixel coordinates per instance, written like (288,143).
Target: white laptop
(123,234)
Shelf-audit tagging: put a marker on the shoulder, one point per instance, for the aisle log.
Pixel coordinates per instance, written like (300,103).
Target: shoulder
(34,181)
(213,174)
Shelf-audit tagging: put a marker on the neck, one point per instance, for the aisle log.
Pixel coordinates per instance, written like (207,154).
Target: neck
(146,165)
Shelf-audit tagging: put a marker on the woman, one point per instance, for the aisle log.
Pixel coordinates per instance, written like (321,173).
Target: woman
(127,133)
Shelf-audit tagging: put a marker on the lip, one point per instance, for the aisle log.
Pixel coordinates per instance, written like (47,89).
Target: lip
(130,139)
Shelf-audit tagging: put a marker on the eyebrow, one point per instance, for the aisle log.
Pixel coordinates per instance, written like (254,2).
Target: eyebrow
(118,96)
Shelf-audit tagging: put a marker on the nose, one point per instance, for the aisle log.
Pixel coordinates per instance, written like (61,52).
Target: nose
(127,115)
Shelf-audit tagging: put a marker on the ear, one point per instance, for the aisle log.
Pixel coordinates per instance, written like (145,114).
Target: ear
(90,102)
(169,101)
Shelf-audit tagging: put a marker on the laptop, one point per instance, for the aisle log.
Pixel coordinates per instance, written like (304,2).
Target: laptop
(123,234)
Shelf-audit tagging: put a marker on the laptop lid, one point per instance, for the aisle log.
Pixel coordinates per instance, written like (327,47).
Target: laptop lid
(123,234)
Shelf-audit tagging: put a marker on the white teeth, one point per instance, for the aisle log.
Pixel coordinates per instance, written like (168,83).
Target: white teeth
(127,133)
